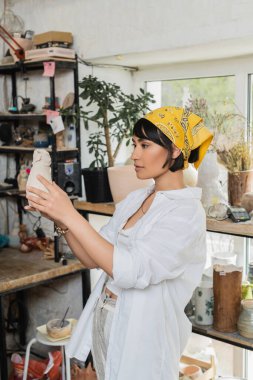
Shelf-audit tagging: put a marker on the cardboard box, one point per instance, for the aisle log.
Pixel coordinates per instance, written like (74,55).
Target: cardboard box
(43,38)
(208,369)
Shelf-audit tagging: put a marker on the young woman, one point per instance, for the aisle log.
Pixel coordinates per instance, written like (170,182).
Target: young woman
(152,253)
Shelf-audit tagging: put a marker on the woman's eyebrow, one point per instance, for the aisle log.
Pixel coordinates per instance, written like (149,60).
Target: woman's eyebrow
(139,139)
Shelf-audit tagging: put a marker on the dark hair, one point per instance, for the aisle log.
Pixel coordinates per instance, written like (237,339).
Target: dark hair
(144,129)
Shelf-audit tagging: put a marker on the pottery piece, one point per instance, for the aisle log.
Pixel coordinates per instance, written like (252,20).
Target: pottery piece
(41,165)
(208,180)
(191,371)
(247,201)
(239,183)
(123,180)
(227,281)
(245,321)
(57,330)
(204,303)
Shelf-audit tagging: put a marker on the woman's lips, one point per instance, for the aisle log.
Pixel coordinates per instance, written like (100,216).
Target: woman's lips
(137,168)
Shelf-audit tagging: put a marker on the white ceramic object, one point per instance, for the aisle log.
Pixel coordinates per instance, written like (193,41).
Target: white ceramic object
(208,180)
(190,176)
(204,303)
(41,165)
(123,180)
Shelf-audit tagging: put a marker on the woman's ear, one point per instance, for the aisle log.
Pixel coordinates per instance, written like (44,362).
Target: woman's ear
(176,151)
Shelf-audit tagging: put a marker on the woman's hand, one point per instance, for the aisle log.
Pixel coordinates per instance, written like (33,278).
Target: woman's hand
(54,204)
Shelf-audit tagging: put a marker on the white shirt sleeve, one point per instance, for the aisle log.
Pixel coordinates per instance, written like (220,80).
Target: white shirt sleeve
(164,252)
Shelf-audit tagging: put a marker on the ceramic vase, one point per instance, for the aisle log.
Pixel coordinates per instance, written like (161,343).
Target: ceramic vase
(245,321)
(239,183)
(204,303)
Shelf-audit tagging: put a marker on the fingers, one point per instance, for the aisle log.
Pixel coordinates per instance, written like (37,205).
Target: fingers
(29,208)
(40,193)
(35,200)
(45,182)
(36,204)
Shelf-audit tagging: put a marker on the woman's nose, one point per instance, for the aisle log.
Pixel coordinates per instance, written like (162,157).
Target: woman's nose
(135,154)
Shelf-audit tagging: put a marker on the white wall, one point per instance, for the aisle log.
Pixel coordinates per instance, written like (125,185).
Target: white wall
(103,28)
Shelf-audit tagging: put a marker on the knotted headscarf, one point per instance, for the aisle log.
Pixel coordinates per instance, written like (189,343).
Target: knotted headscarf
(184,128)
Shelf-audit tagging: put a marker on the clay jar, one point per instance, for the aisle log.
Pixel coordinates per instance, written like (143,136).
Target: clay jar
(41,165)
(245,321)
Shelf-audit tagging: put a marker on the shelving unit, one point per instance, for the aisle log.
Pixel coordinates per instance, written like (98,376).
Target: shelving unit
(57,155)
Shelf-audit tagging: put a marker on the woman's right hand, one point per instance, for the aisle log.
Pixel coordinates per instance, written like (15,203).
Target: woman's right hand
(32,209)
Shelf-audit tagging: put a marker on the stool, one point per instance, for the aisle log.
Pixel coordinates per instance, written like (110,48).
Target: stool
(40,338)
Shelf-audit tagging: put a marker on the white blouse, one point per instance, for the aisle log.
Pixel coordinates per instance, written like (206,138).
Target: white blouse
(156,272)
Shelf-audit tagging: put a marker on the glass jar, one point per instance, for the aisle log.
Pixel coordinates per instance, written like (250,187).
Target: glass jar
(245,321)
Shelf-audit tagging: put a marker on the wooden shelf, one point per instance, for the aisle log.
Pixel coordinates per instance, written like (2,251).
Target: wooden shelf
(231,338)
(229,227)
(95,208)
(224,226)
(12,193)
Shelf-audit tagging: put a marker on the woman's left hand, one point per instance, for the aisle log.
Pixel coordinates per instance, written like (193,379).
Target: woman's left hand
(54,204)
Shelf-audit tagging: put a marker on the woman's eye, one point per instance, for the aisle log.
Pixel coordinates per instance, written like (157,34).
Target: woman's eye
(144,146)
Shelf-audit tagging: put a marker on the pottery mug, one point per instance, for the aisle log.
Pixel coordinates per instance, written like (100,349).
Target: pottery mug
(204,303)
(191,372)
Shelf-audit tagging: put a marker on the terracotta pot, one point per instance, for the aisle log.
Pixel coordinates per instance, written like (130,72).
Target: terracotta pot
(123,180)
(239,183)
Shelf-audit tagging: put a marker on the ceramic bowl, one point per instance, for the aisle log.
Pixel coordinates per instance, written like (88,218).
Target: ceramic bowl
(54,330)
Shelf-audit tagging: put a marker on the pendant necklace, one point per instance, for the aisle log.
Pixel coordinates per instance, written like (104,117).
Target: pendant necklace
(144,212)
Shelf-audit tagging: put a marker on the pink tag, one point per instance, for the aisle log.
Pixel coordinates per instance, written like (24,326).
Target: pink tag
(49,69)
(50,115)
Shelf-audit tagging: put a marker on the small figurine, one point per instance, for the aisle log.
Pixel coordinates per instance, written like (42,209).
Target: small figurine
(41,165)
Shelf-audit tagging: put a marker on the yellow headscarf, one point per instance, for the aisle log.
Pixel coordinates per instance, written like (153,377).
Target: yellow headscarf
(184,129)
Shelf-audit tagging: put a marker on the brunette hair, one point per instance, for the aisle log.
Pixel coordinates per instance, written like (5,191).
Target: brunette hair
(144,129)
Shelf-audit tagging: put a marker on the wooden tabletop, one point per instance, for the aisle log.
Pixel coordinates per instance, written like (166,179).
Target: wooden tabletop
(19,270)
(95,208)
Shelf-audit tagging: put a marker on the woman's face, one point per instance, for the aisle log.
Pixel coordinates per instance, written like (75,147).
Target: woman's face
(149,158)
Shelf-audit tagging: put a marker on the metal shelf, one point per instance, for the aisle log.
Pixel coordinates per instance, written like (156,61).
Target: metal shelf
(22,116)
(22,149)
(36,65)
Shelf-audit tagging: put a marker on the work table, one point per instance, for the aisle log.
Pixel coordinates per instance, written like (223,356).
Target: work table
(20,270)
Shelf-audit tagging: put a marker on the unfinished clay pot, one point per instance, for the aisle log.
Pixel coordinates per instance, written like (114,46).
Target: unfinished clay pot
(41,166)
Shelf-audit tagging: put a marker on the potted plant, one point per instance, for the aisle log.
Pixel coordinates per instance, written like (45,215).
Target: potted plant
(115,114)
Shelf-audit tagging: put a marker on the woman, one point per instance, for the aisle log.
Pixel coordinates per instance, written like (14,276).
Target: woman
(152,253)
